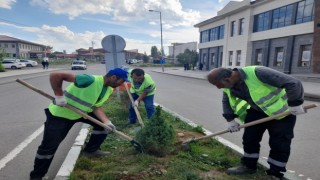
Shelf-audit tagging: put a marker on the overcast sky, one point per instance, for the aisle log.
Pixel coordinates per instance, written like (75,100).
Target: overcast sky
(73,24)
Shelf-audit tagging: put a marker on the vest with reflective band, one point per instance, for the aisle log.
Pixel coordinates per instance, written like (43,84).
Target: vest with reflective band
(146,83)
(238,105)
(270,99)
(84,99)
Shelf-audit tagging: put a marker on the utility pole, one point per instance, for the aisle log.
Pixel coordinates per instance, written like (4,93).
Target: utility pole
(92,53)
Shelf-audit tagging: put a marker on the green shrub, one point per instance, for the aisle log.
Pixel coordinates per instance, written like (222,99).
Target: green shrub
(157,137)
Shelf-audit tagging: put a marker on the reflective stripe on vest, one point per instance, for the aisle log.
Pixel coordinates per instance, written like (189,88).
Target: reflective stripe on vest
(84,99)
(238,105)
(270,99)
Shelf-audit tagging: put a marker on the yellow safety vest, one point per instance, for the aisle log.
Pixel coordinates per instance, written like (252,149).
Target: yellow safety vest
(272,100)
(85,99)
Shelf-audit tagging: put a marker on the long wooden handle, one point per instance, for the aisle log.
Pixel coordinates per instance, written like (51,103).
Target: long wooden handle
(309,106)
(74,109)
(133,105)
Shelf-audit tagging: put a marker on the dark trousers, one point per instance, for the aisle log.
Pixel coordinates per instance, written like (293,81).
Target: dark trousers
(55,130)
(281,134)
(148,104)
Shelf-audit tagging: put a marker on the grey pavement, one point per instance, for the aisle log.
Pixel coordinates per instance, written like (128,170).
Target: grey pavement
(311,82)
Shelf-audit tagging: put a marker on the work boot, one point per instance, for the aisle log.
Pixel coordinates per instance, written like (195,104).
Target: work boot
(97,153)
(241,170)
(274,174)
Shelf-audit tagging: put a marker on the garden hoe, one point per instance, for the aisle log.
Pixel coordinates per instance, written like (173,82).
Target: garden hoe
(134,106)
(186,144)
(136,145)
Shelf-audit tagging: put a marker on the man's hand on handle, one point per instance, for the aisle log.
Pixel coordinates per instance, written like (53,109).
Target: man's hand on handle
(233,126)
(111,126)
(59,101)
(295,110)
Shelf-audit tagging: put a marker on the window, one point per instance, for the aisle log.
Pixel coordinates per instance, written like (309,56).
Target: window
(305,56)
(6,45)
(13,45)
(261,22)
(258,58)
(221,57)
(213,57)
(241,26)
(282,16)
(279,56)
(221,32)
(233,28)
(305,12)
(238,58)
(230,58)
(214,34)
(204,36)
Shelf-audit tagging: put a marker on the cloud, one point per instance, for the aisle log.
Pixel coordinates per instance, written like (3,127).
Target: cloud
(124,10)
(6,4)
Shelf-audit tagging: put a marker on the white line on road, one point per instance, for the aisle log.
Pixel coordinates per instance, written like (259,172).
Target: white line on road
(20,147)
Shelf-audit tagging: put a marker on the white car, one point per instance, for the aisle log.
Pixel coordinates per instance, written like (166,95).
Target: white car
(8,64)
(29,63)
(78,65)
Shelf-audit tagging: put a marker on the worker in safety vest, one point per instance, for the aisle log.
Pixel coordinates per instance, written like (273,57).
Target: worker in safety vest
(142,89)
(87,93)
(254,92)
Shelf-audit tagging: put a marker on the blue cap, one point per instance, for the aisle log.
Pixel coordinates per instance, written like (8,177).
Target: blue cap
(119,73)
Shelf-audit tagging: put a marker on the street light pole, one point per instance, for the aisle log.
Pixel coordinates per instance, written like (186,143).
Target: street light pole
(162,54)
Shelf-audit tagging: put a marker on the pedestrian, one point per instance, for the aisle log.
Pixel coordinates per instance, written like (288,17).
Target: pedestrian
(142,89)
(46,63)
(254,92)
(87,93)
(200,66)
(43,64)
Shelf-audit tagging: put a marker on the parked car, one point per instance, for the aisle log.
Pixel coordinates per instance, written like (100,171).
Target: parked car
(9,64)
(15,60)
(78,65)
(29,63)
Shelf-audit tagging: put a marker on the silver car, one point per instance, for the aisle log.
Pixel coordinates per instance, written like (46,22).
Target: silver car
(29,63)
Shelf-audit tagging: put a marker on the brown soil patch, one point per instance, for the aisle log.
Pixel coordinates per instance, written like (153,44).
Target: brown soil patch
(184,135)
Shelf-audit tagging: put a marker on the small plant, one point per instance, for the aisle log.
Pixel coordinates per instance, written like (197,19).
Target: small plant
(157,137)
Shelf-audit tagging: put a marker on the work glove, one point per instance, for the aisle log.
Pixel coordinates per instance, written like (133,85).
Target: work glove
(136,103)
(111,126)
(59,101)
(295,110)
(233,126)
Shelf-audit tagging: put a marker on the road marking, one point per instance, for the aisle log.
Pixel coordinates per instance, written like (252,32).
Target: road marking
(20,147)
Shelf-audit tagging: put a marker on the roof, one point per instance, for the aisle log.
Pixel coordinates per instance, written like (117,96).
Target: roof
(12,39)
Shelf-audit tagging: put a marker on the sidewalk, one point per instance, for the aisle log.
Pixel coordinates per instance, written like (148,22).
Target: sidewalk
(24,71)
(311,82)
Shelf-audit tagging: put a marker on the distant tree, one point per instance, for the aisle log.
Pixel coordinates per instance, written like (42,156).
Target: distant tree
(188,57)
(2,55)
(145,58)
(155,52)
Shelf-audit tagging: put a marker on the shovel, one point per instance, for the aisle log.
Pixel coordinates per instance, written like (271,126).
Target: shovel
(136,145)
(186,144)
(134,106)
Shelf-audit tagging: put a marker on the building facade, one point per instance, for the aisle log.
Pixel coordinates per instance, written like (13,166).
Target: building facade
(17,48)
(272,33)
(179,48)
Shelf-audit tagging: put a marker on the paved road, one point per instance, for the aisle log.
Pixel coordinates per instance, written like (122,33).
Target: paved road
(22,119)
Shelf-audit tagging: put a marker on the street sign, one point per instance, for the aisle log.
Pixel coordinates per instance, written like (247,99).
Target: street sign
(114,56)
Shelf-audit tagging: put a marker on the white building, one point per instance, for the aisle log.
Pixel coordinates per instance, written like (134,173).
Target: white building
(179,48)
(273,33)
